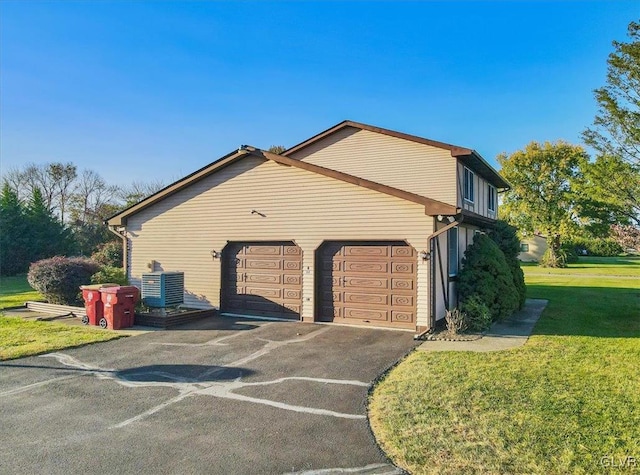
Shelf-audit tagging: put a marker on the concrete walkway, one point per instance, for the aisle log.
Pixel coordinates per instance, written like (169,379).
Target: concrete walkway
(511,333)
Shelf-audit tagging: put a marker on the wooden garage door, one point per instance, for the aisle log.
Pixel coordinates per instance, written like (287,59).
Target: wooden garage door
(371,283)
(262,279)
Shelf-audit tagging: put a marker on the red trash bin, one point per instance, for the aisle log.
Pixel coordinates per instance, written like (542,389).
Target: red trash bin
(92,303)
(119,306)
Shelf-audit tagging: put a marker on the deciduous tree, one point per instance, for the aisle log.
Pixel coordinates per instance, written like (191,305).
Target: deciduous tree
(543,197)
(609,194)
(616,128)
(616,131)
(63,176)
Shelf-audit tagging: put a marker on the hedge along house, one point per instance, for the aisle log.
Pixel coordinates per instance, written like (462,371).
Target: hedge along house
(356,225)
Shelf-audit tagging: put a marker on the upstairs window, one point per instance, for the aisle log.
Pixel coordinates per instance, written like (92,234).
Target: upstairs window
(469,178)
(453,251)
(491,199)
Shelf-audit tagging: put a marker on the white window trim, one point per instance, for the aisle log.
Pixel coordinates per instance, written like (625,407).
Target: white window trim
(472,177)
(495,199)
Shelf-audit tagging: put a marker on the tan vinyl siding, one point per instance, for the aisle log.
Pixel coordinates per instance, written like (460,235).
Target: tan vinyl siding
(537,247)
(481,190)
(180,231)
(418,168)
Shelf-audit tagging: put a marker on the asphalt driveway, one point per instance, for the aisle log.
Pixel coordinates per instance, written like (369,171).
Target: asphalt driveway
(222,396)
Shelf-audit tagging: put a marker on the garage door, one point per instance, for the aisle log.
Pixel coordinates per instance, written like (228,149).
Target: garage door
(262,279)
(368,283)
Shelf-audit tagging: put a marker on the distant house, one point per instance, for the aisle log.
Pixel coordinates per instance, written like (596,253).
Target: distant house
(356,225)
(532,248)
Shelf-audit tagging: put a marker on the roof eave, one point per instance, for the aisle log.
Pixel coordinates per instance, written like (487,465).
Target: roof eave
(372,128)
(480,165)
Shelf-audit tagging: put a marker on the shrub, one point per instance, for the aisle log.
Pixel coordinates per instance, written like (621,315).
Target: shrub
(605,248)
(570,253)
(477,314)
(506,237)
(59,278)
(109,254)
(594,247)
(553,259)
(456,321)
(486,275)
(110,275)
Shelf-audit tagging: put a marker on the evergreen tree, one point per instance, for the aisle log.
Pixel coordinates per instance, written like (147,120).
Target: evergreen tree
(14,234)
(47,236)
(486,276)
(506,237)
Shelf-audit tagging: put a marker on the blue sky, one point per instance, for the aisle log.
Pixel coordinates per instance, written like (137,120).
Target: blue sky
(155,90)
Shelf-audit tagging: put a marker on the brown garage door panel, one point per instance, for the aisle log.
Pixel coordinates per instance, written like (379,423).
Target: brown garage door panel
(371,283)
(275,279)
(402,301)
(293,281)
(402,251)
(367,314)
(292,265)
(261,278)
(366,283)
(266,293)
(257,250)
(366,251)
(292,294)
(263,264)
(373,299)
(403,268)
(403,284)
(402,317)
(366,267)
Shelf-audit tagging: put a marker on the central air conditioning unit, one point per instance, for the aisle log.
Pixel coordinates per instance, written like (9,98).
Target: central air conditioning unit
(162,289)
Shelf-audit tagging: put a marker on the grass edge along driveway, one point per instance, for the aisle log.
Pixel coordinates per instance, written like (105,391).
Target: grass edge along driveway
(19,338)
(566,402)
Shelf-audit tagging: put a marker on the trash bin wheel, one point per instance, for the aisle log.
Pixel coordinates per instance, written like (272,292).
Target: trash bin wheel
(85,320)
(103,323)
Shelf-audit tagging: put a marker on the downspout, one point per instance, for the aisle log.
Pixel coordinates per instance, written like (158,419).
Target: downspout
(432,275)
(125,250)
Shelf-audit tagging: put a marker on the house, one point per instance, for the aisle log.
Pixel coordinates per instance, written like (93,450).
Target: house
(356,225)
(532,248)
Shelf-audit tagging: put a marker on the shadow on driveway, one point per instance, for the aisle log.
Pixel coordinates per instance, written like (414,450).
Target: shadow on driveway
(183,373)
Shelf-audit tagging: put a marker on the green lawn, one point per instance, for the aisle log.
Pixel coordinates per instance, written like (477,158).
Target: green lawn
(15,291)
(558,405)
(622,266)
(20,337)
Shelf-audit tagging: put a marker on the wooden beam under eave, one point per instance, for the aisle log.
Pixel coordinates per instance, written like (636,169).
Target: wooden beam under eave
(436,208)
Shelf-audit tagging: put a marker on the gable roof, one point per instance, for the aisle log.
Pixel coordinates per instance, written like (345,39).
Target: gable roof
(469,157)
(432,207)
